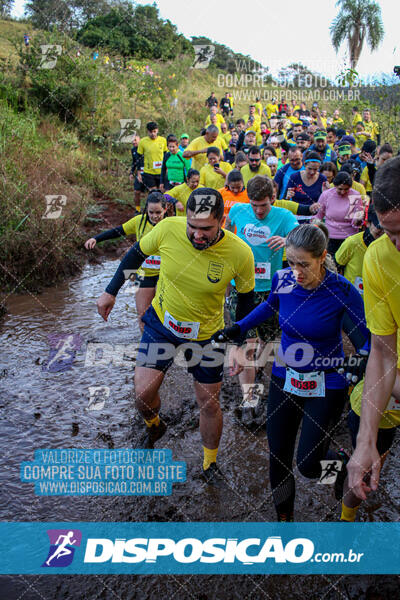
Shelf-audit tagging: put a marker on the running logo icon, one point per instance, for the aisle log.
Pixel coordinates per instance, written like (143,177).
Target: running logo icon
(330,471)
(203,55)
(63,348)
(62,547)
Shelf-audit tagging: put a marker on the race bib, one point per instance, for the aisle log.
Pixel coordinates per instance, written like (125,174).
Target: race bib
(157,164)
(307,385)
(358,284)
(393,404)
(152,262)
(184,329)
(263,270)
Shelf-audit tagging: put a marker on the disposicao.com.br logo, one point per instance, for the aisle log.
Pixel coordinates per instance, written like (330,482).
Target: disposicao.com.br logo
(62,547)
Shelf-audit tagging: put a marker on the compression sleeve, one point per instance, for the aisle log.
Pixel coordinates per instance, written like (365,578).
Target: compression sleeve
(245,304)
(263,311)
(110,234)
(354,320)
(131,262)
(303,210)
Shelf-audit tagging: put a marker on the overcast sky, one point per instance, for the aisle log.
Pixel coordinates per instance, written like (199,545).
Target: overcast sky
(278,33)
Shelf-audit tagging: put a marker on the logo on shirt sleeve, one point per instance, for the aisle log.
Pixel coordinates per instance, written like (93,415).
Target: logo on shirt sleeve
(214,272)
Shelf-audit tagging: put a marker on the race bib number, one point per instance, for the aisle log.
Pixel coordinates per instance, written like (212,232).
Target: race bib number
(393,404)
(183,329)
(157,164)
(152,262)
(358,284)
(307,385)
(263,270)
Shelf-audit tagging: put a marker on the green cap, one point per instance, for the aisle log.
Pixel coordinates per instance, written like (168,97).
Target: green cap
(320,135)
(344,149)
(184,135)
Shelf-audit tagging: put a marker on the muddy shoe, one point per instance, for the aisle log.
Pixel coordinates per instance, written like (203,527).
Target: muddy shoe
(152,434)
(341,476)
(213,475)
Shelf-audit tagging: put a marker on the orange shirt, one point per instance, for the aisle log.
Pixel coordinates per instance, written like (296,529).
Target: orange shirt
(230,199)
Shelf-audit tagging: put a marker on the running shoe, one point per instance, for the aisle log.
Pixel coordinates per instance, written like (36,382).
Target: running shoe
(153,434)
(213,475)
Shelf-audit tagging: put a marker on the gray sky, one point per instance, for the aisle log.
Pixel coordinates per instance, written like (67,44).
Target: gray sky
(277,34)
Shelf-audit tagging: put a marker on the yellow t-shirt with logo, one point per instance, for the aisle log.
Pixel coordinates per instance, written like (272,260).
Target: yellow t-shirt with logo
(372,128)
(382,294)
(140,226)
(271,109)
(248,174)
(338,123)
(209,178)
(192,283)
(181,193)
(199,143)
(153,152)
(220,119)
(351,256)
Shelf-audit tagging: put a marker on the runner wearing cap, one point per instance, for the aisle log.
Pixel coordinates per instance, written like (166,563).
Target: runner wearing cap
(320,145)
(187,309)
(230,154)
(311,299)
(184,142)
(197,148)
(272,163)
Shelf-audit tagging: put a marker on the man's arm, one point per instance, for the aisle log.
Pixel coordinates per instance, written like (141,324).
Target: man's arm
(379,381)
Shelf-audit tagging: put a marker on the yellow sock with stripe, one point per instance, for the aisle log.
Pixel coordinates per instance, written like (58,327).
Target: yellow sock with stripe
(154,421)
(349,514)
(210,456)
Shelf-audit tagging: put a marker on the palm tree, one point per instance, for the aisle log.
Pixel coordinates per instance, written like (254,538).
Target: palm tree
(357,20)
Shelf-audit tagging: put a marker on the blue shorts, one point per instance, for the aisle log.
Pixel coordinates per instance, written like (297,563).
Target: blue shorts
(159,347)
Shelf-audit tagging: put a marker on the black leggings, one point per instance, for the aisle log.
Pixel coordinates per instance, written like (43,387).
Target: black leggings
(284,414)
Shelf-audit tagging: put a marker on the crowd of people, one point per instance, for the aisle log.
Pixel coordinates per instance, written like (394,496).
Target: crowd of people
(288,220)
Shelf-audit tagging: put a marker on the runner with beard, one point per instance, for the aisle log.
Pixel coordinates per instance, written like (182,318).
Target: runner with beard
(255,166)
(198,260)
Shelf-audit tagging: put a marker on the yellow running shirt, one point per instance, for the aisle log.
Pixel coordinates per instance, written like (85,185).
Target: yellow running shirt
(209,178)
(199,143)
(181,193)
(192,284)
(247,174)
(153,152)
(351,256)
(139,228)
(382,293)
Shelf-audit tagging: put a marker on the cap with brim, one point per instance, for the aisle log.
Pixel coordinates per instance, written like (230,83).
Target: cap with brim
(251,131)
(344,149)
(304,137)
(348,139)
(320,135)
(272,160)
(184,135)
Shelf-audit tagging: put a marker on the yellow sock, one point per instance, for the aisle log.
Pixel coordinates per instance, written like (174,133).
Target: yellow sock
(348,514)
(154,421)
(210,456)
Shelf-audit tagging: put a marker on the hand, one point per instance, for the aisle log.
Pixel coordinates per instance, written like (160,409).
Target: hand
(276,242)
(354,367)
(179,206)
(365,459)
(131,177)
(314,208)
(290,193)
(105,305)
(90,244)
(139,176)
(326,186)
(368,158)
(220,171)
(162,189)
(228,334)
(236,360)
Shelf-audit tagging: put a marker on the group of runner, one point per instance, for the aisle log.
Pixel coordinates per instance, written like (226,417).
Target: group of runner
(259,243)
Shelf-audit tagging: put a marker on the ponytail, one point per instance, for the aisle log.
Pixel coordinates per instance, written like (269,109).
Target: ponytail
(314,239)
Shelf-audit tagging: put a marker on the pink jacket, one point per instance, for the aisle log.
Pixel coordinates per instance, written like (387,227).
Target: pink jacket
(343,214)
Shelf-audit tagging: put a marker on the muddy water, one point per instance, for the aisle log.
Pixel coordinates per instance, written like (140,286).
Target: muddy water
(42,409)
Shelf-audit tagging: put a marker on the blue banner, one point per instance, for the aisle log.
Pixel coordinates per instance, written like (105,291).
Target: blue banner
(199,548)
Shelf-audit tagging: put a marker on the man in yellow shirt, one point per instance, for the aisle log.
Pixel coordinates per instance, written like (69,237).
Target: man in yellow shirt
(382,309)
(225,134)
(198,260)
(213,174)
(371,128)
(255,167)
(258,107)
(214,112)
(356,118)
(272,108)
(151,152)
(197,148)
(337,120)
